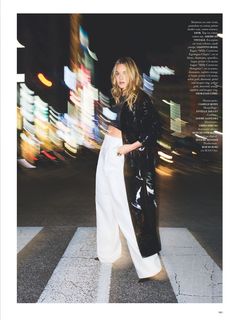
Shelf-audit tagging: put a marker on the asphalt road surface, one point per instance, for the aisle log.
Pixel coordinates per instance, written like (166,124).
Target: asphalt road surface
(57,238)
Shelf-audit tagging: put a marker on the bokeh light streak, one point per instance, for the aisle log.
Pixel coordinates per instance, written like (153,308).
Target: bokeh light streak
(44,80)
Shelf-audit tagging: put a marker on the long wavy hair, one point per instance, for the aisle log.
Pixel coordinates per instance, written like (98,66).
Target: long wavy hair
(134,84)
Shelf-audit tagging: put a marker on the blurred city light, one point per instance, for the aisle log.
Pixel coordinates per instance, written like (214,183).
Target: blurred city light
(157,71)
(70,78)
(175,152)
(148,85)
(164,171)
(167,160)
(44,80)
(164,144)
(45,133)
(92,54)
(201,137)
(164,155)
(26,164)
(167,102)
(218,132)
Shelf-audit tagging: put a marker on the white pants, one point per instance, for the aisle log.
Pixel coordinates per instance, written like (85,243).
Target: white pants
(112,212)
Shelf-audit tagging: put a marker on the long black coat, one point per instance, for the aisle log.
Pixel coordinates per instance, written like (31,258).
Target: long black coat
(141,123)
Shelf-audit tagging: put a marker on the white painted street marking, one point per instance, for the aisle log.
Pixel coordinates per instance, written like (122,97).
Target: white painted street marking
(25,235)
(104,281)
(194,276)
(78,278)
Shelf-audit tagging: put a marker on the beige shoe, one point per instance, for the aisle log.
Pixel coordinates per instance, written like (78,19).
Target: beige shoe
(160,276)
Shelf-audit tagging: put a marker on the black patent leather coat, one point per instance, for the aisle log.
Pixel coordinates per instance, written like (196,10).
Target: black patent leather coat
(141,124)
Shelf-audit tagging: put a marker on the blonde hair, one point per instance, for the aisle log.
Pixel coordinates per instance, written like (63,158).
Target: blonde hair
(134,84)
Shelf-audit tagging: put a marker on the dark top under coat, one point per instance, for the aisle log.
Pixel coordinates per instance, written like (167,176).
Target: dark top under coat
(116,108)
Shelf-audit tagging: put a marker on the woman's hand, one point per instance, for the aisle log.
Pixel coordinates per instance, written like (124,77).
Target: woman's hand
(126,148)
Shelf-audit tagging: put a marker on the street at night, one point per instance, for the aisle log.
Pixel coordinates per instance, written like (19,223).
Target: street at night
(57,225)
(65,109)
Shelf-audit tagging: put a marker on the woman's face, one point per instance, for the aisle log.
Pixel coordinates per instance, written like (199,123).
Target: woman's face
(121,76)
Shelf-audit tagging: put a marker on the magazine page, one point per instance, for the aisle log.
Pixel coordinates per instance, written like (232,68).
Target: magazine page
(118,141)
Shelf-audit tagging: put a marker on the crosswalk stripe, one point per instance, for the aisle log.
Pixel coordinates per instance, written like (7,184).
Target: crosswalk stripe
(104,281)
(78,278)
(38,259)
(25,235)
(125,287)
(194,276)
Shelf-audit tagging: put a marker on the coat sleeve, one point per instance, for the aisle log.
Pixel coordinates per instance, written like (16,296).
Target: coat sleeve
(147,124)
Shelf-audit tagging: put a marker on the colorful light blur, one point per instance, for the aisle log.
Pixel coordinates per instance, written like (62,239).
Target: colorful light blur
(44,130)
(53,135)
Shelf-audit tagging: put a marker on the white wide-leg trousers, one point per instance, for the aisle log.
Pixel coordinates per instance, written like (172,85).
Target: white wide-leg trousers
(112,212)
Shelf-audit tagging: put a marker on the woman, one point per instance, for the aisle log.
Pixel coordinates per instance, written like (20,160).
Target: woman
(125,177)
